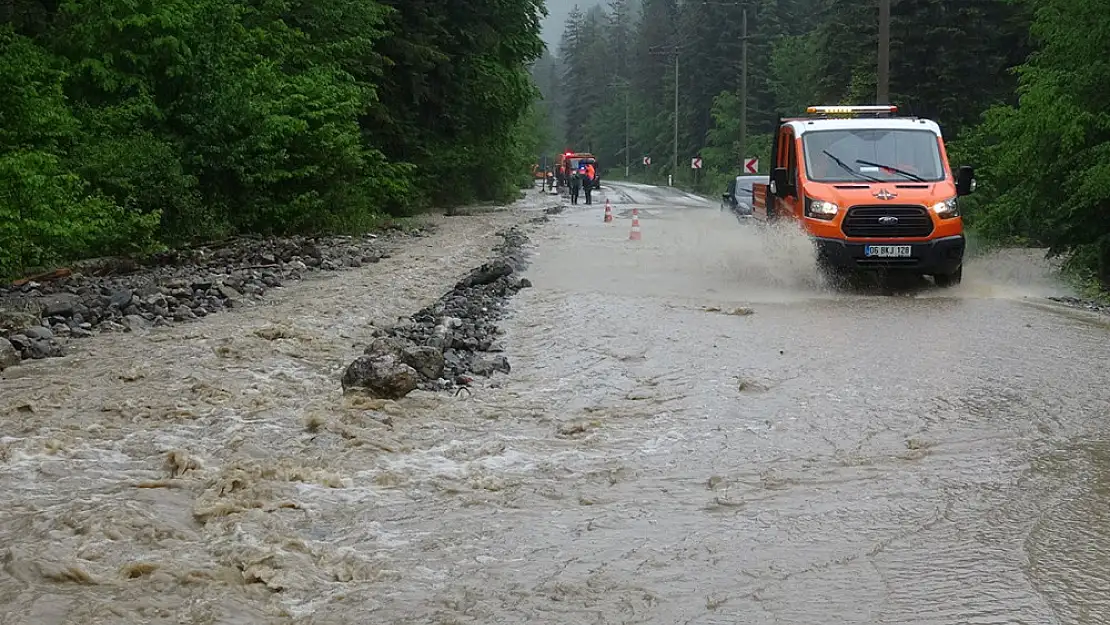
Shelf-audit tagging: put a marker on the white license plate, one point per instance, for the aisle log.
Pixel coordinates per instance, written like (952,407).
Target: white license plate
(887,251)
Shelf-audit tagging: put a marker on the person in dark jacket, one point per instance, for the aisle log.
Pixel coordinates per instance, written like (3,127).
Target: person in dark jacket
(587,172)
(575,186)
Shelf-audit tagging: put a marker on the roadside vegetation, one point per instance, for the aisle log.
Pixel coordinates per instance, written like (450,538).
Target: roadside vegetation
(130,125)
(1017,85)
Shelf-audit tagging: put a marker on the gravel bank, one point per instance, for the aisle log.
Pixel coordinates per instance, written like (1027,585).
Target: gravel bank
(38,318)
(442,344)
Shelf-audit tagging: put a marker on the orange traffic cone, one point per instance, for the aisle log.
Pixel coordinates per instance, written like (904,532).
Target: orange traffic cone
(635,234)
(608,211)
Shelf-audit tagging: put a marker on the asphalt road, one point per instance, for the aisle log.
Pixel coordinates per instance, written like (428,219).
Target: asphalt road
(757,448)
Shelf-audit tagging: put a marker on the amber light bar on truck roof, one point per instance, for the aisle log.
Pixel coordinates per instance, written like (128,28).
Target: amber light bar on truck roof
(885,109)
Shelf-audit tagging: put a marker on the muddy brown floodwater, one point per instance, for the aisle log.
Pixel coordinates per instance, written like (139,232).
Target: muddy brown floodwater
(695,431)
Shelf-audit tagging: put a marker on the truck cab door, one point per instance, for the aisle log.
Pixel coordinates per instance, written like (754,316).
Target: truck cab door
(787,159)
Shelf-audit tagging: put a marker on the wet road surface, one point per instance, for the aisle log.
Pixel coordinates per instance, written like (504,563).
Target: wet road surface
(695,431)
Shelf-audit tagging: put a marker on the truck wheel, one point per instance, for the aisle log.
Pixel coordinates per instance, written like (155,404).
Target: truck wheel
(945,280)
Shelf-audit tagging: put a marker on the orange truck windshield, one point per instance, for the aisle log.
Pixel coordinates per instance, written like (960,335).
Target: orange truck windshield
(872,155)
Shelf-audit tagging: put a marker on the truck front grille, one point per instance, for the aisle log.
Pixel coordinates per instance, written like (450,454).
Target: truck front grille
(872,222)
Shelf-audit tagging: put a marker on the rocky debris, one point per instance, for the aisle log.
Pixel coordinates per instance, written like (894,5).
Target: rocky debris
(122,295)
(451,338)
(735,312)
(1085,304)
(35,343)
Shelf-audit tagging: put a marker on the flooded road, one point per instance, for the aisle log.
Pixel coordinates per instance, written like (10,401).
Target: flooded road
(695,431)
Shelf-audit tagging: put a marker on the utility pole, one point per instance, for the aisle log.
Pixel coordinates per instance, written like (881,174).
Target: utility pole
(627,154)
(883,95)
(743,87)
(674,167)
(627,126)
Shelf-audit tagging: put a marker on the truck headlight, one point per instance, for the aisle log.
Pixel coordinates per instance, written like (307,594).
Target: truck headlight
(821,209)
(947,209)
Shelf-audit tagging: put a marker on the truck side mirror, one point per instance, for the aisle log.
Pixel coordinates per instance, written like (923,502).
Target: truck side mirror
(965,180)
(780,179)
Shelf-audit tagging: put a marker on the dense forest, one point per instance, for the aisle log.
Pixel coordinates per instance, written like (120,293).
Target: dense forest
(128,124)
(1015,85)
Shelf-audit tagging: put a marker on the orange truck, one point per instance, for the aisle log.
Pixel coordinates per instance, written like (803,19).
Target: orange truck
(570,161)
(874,191)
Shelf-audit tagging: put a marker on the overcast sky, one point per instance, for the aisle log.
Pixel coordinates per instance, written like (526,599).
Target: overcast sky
(557,12)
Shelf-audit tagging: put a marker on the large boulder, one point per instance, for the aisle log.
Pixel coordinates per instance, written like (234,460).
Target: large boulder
(60,304)
(9,355)
(426,360)
(488,273)
(384,377)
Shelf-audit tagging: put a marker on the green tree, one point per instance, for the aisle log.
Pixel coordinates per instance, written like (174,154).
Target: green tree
(198,118)
(1045,163)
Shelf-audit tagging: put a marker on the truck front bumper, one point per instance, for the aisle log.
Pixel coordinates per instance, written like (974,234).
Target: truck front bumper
(939,256)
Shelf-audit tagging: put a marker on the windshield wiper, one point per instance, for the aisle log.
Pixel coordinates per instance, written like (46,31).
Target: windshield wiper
(848,168)
(905,173)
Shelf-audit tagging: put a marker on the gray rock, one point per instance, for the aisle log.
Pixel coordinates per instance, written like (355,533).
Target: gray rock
(60,304)
(439,338)
(426,360)
(38,332)
(488,366)
(135,323)
(44,348)
(486,274)
(121,299)
(9,355)
(383,377)
(20,341)
(386,346)
(229,292)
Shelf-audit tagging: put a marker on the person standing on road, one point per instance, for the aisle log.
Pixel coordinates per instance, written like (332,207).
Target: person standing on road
(588,182)
(575,185)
